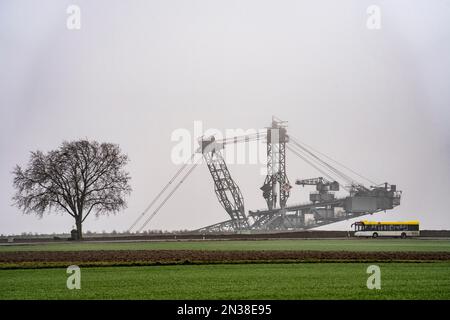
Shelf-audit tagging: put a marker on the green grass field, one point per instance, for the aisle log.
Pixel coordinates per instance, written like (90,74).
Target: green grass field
(322,245)
(236,281)
(257,281)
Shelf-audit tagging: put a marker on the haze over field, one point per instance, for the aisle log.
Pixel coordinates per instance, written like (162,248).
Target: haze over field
(376,100)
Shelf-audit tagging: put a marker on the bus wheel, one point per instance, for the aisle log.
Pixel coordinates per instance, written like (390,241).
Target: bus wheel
(403,235)
(375,235)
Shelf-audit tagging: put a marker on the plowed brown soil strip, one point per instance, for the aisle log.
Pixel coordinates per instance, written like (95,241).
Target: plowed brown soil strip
(195,256)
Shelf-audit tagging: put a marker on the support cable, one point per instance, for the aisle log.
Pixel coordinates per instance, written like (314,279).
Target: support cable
(161,192)
(330,167)
(309,162)
(337,162)
(247,138)
(169,195)
(304,158)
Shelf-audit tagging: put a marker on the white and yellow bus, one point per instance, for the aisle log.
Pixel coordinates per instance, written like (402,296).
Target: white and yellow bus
(375,229)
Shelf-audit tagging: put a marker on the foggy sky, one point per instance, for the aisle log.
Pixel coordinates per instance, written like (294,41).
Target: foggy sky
(376,100)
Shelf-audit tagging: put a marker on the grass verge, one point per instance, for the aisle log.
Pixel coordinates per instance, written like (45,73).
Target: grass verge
(233,281)
(298,244)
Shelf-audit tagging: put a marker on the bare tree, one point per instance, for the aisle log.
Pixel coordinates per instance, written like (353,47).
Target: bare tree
(79,178)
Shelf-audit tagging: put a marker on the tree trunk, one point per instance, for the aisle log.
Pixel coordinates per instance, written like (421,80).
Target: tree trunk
(79,228)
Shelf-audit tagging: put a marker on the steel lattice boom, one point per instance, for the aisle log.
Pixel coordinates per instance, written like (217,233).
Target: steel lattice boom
(227,191)
(325,206)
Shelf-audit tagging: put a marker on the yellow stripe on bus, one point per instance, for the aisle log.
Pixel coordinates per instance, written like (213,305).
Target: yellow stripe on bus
(390,222)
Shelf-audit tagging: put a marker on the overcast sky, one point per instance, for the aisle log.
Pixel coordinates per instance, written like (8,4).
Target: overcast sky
(376,100)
